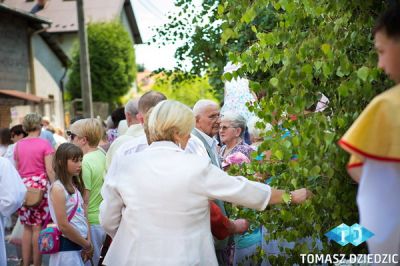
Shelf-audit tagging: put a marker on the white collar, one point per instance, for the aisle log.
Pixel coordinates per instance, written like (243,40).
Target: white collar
(169,145)
(135,130)
(210,141)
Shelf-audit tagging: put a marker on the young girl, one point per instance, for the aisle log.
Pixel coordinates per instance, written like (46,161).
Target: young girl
(64,193)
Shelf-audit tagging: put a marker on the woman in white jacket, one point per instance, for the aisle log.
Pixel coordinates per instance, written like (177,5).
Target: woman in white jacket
(155,205)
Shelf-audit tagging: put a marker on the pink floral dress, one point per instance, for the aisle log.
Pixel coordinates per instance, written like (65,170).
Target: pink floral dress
(35,215)
(30,156)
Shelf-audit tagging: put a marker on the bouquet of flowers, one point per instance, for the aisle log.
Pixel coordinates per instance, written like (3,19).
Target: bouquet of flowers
(235,158)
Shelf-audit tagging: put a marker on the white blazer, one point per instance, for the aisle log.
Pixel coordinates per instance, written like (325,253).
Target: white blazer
(155,206)
(12,194)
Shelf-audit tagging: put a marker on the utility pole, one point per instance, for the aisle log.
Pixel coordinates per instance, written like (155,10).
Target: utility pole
(86,85)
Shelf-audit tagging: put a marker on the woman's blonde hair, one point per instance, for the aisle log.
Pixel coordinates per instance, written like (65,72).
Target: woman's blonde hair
(169,118)
(90,128)
(32,122)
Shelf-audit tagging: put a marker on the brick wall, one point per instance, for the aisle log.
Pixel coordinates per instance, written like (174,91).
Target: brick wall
(5,116)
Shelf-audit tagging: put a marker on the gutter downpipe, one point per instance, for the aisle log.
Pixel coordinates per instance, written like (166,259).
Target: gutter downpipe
(62,92)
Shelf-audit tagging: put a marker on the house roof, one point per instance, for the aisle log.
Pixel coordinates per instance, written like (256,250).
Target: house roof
(24,14)
(24,96)
(64,16)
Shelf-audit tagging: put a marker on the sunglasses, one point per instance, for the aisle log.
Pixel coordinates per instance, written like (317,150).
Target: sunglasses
(71,135)
(223,128)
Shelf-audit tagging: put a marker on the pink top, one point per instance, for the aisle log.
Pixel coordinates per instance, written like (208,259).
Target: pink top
(30,153)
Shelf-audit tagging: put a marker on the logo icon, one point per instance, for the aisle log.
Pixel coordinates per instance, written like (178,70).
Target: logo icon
(344,234)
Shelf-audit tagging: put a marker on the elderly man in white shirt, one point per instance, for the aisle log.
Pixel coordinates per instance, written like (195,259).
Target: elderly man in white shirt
(135,137)
(12,194)
(135,129)
(203,143)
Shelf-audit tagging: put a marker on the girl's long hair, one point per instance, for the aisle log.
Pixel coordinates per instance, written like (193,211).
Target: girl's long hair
(65,152)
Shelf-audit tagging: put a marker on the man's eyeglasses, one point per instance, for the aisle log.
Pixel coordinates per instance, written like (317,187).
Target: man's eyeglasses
(71,135)
(214,117)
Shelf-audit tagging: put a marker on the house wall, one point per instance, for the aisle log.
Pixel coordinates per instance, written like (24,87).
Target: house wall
(13,110)
(14,53)
(48,73)
(18,111)
(14,68)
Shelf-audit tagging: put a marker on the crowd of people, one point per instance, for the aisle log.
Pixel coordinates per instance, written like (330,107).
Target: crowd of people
(151,187)
(179,201)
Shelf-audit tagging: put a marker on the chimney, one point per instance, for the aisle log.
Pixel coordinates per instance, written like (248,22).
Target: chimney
(40,4)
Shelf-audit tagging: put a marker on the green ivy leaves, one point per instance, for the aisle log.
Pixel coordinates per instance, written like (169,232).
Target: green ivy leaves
(326,48)
(313,48)
(362,73)
(274,82)
(249,15)
(292,52)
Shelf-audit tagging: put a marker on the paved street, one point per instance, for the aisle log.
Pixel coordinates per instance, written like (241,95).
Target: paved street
(12,258)
(13,255)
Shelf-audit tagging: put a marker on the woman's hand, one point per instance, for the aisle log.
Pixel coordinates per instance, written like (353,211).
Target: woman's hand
(239,226)
(300,195)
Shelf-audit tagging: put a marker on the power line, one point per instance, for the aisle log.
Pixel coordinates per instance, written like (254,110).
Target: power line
(155,8)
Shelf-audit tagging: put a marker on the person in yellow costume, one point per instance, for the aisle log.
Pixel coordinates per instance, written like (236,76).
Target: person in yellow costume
(374,144)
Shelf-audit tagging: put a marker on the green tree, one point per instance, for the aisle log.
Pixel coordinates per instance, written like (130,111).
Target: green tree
(196,30)
(314,47)
(140,67)
(187,91)
(200,43)
(112,63)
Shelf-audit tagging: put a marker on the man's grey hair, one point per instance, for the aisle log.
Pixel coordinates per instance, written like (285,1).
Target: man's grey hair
(236,120)
(202,104)
(149,100)
(132,107)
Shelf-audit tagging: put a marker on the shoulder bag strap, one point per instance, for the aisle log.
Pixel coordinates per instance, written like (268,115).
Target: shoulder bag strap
(75,207)
(46,222)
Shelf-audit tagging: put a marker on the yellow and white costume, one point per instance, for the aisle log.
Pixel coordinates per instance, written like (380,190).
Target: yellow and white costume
(374,144)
